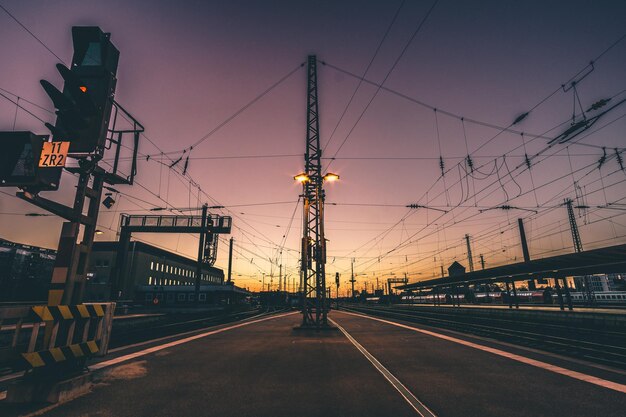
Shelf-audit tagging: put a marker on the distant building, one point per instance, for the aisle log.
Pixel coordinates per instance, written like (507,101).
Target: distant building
(597,283)
(25,271)
(456,269)
(146,265)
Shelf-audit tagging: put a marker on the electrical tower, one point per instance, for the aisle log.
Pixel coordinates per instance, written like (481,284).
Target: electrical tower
(578,246)
(314,305)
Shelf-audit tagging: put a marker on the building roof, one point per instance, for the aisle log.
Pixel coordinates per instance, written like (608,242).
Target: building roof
(607,260)
(111,246)
(15,245)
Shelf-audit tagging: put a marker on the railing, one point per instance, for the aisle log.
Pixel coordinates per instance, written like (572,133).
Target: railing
(42,336)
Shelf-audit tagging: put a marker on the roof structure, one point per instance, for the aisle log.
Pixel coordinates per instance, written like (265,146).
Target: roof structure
(607,260)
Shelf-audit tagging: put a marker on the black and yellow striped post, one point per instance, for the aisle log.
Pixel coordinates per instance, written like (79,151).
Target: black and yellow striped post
(60,354)
(71,352)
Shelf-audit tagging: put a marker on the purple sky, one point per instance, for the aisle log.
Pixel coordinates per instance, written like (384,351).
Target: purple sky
(185,67)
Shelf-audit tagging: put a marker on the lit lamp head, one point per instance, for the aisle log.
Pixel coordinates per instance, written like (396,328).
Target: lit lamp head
(302,178)
(330,177)
(99,232)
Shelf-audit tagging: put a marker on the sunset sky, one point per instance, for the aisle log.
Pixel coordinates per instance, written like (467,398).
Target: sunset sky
(187,67)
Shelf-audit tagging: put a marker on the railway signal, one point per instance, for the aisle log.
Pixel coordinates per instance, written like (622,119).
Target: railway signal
(21,162)
(84,106)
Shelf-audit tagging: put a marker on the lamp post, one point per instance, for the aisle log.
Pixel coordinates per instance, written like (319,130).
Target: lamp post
(313,248)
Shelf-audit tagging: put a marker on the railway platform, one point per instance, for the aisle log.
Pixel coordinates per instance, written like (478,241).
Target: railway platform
(372,367)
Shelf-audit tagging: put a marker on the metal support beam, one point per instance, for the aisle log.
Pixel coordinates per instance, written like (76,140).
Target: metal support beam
(230,260)
(470,259)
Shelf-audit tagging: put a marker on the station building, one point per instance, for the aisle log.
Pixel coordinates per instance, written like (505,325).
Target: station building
(147,266)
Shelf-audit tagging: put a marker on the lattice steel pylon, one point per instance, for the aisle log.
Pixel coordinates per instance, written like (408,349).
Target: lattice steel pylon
(578,247)
(313,256)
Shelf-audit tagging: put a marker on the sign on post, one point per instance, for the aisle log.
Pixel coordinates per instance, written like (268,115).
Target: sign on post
(53,154)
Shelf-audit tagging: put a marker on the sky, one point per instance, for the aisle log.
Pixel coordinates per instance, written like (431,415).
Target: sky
(453,80)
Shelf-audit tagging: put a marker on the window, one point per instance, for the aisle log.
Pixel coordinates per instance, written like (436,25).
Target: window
(191,297)
(202,297)
(151,265)
(181,297)
(149,280)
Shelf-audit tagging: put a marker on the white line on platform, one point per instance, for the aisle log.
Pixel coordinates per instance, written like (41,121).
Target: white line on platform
(153,349)
(413,401)
(539,364)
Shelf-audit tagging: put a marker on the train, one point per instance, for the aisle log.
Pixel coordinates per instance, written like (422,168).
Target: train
(182,295)
(502,297)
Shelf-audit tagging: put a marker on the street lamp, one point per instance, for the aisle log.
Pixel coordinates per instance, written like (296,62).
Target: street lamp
(303,177)
(330,177)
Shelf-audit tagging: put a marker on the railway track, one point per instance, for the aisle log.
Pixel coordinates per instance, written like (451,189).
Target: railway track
(129,332)
(595,345)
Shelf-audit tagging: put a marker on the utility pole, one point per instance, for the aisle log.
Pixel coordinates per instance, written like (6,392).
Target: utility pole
(199,263)
(352,280)
(470,259)
(230,260)
(337,284)
(525,252)
(578,247)
(313,252)
(522,235)
(280,277)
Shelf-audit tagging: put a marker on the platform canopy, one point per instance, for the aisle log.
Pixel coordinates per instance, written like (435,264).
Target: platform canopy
(607,260)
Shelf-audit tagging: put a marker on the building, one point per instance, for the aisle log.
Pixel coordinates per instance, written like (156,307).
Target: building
(25,272)
(597,283)
(147,265)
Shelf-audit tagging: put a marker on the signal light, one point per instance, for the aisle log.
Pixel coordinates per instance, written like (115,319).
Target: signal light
(84,105)
(19,163)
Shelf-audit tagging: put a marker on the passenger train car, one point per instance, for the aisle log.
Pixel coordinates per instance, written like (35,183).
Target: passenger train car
(609,297)
(528,297)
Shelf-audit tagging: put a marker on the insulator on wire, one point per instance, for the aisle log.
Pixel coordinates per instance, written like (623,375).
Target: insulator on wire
(186,165)
(520,118)
(470,163)
(527,160)
(620,160)
(598,104)
(442,166)
(602,159)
